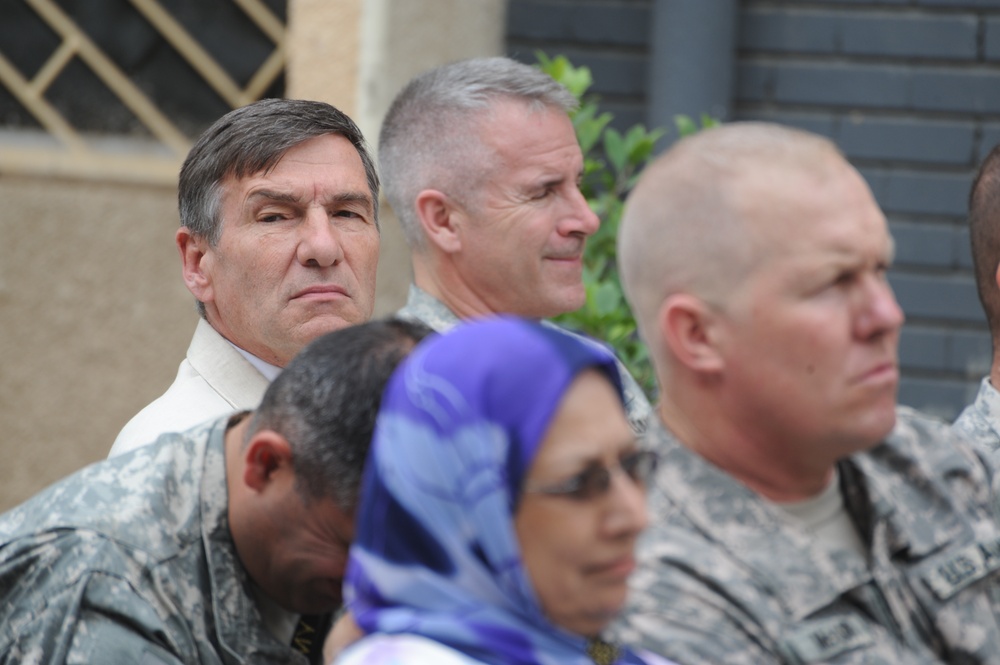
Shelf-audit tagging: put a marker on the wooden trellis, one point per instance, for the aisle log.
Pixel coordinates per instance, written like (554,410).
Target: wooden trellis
(66,152)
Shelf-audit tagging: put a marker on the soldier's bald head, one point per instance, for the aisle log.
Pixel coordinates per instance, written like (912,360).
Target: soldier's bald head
(698,221)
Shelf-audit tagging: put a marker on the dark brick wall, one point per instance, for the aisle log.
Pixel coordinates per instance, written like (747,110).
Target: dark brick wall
(609,36)
(909,89)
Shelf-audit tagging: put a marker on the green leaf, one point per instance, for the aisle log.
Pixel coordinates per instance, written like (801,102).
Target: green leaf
(707,121)
(607,298)
(634,135)
(642,148)
(588,127)
(614,148)
(685,125)
(576,79)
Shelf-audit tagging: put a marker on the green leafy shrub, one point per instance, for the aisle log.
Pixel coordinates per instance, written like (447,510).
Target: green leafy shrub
(612,162)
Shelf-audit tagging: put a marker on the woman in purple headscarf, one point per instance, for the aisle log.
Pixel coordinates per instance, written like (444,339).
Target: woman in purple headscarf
(503,496)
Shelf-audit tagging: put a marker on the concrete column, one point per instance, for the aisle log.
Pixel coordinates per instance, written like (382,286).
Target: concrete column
(692,60)
(357,54)
(323,45)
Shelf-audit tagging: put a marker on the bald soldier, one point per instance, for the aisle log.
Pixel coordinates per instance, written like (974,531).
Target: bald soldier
(800,516)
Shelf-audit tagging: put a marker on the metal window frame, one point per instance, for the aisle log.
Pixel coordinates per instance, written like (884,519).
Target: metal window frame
(77,155)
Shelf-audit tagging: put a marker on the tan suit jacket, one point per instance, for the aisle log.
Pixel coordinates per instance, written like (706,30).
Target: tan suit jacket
(213,380)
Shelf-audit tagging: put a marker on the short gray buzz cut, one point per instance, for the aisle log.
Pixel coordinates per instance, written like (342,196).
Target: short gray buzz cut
(429,136)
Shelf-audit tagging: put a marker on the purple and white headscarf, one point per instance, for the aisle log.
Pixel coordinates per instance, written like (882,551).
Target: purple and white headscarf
(436,553)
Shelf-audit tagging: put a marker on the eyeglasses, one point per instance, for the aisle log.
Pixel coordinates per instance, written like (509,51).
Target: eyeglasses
(595,480)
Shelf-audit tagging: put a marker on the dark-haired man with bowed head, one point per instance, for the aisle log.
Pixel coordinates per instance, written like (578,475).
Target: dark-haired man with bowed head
(205,546)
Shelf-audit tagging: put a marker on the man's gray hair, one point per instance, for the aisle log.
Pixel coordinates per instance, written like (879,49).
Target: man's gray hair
(430,135)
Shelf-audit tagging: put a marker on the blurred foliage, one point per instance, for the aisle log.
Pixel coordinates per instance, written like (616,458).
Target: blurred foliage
(612,162)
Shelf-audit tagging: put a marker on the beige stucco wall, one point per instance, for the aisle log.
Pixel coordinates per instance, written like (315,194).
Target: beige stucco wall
(94,318)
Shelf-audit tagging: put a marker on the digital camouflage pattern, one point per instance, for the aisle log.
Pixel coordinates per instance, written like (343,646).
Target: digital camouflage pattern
(424,308)
(725,578)
(130,561)
(979,423)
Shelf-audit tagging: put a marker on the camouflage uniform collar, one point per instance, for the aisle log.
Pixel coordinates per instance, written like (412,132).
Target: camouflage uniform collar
(989,394)
(979,422)
(424,308)
(240,626)
(988,403)
(878,484)
(730,515)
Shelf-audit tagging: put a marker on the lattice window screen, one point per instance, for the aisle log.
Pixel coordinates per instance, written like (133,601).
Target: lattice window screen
(61,149)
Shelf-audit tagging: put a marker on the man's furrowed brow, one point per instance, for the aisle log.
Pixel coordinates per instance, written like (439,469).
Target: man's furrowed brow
(342,198)
(352,197)
(270,195)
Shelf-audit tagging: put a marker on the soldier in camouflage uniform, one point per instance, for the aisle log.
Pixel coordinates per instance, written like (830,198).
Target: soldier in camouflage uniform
(980,421)
(481,164)
(205,546)
(799,516)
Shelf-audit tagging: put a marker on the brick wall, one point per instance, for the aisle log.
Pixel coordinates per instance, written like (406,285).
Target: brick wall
(909,89)
(609,36)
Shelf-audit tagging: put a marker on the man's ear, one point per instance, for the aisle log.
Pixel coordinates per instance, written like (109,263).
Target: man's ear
(439,217)
(196,263)
(266,454)
(689,328)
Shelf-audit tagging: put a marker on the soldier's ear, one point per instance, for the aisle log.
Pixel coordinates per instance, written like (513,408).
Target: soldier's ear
(441,219)
(689,328)
(265,456)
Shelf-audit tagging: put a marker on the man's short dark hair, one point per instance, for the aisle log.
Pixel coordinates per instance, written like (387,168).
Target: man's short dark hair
(326,400)
(251,140)
(984,235)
